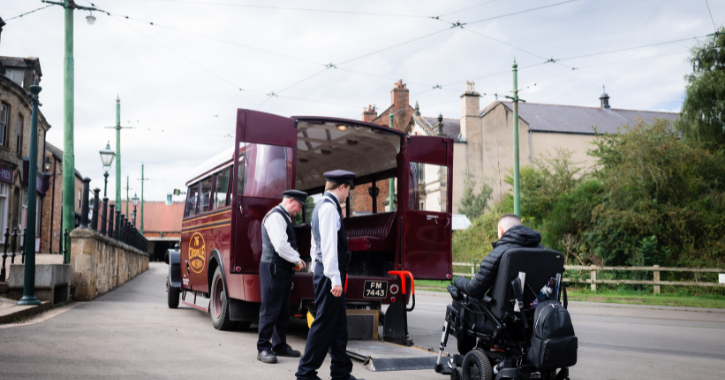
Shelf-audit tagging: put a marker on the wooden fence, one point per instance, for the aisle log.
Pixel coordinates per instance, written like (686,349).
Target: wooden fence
(593,269)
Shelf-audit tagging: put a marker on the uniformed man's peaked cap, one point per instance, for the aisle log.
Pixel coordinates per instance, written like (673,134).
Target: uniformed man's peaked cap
(340,176)
(299,196)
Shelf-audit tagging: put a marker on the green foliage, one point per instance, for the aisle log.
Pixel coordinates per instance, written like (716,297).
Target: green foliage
(703,111)
(474,243)
(471,204)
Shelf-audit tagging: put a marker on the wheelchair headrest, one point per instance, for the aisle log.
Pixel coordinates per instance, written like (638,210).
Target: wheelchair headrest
(539,265)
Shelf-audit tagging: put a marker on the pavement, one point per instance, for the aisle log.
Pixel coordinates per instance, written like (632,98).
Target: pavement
(130,333)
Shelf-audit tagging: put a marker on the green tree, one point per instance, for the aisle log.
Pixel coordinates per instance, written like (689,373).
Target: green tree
(471,204)
(703,111)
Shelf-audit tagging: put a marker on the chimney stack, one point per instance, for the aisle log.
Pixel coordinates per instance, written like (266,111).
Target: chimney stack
(470,121)
(369,114)
(604,99)
(2,23)
(399,96)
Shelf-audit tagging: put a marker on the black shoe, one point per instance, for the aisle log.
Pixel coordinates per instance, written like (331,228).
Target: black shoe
(288,351)
(266,357)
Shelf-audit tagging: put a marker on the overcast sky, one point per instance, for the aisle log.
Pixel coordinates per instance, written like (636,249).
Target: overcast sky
(179,79)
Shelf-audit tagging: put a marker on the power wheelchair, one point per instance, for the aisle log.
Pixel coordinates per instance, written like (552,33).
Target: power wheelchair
(494,334)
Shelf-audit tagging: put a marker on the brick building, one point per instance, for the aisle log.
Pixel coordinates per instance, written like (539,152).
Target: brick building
(52,203)
(361,201)
(162,225)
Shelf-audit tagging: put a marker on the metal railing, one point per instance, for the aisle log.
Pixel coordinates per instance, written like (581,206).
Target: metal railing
(113,224)
(16,241)
(593,269)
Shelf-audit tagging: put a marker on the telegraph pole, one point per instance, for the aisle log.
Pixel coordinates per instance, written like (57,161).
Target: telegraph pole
(517,178)
(118,129)
(68,213)
(126,195)
(142,179)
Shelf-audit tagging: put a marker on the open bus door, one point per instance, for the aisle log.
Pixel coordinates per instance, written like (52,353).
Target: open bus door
(264,167)
(427,210)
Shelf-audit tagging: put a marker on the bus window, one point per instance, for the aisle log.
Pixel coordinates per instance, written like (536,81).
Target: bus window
(205,195)
(220,188)
(191,196)
(264,170)
(425,182)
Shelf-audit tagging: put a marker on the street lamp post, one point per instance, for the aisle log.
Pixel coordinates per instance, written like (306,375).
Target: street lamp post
(68,112)
(29,280)
(135,203)
(107,156)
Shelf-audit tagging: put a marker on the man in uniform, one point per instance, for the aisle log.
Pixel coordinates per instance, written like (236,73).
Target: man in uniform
(330,264)
(276,268)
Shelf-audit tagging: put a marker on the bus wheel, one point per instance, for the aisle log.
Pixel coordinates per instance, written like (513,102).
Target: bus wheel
(172,296)
(219,305)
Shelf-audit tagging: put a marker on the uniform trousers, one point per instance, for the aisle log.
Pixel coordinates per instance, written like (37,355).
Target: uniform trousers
(276,283)
(327,333)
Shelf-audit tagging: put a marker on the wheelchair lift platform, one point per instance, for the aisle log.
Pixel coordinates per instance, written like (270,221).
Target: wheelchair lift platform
(380,356)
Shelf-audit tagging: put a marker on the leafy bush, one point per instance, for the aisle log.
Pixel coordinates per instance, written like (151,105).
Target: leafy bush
(471,204)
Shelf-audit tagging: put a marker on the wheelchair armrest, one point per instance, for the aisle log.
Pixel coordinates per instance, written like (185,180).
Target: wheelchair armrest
(454,292)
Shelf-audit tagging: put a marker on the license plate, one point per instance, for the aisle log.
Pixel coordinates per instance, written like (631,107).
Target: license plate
(375,289)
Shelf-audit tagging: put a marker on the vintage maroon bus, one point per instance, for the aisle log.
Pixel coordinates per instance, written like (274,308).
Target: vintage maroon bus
(229,196)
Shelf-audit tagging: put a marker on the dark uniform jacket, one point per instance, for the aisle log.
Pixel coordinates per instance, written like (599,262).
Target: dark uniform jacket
(516,237)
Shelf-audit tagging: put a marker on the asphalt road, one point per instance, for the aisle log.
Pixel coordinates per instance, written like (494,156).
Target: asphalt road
(130,333)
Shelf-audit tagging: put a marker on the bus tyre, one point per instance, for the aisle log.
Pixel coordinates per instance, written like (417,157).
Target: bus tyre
(173,297)
(219,304)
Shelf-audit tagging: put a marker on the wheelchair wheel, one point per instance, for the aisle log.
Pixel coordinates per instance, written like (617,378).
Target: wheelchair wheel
(465,344)
(476,366)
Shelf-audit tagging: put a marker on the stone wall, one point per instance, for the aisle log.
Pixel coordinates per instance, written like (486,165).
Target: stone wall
(101,264)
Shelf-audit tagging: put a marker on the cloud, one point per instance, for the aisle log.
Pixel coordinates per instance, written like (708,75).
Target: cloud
(179,91)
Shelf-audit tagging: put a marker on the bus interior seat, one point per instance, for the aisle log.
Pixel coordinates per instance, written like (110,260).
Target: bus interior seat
(371,232)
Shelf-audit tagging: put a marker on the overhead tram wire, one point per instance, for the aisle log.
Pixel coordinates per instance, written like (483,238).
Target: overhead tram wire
(714,26)
(27,13)
(295,9)
(520,12)
(632,48)
(188,59)
(465,9)
(555,61)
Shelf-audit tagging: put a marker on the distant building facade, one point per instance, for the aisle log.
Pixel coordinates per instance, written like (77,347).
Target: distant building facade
(16,76)
(51,228)
(162,225)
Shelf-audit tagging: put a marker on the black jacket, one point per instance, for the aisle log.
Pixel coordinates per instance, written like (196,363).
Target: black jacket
(516,237)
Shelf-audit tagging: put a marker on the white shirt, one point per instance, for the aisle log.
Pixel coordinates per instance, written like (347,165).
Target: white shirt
(277,231)
(329,221)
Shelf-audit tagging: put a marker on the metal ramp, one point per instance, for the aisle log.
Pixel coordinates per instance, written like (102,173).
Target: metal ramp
(380,356)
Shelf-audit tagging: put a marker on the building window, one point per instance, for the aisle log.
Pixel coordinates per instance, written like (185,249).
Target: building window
(19,139)
(4,190)
(79,199)
(24,214)
(4,115)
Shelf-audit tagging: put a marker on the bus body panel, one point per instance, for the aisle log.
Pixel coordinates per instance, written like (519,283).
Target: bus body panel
(422,238)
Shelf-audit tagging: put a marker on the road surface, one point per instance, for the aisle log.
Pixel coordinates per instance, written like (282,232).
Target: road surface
(130,333)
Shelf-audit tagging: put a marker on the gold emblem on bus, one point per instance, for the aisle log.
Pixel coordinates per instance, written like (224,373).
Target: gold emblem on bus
(197,253)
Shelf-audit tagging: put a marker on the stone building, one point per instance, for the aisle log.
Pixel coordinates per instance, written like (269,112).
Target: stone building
(16,76)
(53,202)
(484,137)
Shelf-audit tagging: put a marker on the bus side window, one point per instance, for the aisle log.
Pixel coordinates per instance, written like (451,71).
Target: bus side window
(220,188)
(191,196)
(205,195)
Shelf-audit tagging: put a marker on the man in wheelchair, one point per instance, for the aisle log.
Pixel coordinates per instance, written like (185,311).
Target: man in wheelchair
(507,320)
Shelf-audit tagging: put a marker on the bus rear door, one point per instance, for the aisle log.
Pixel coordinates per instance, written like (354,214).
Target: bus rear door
(427,211)
(264,168)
